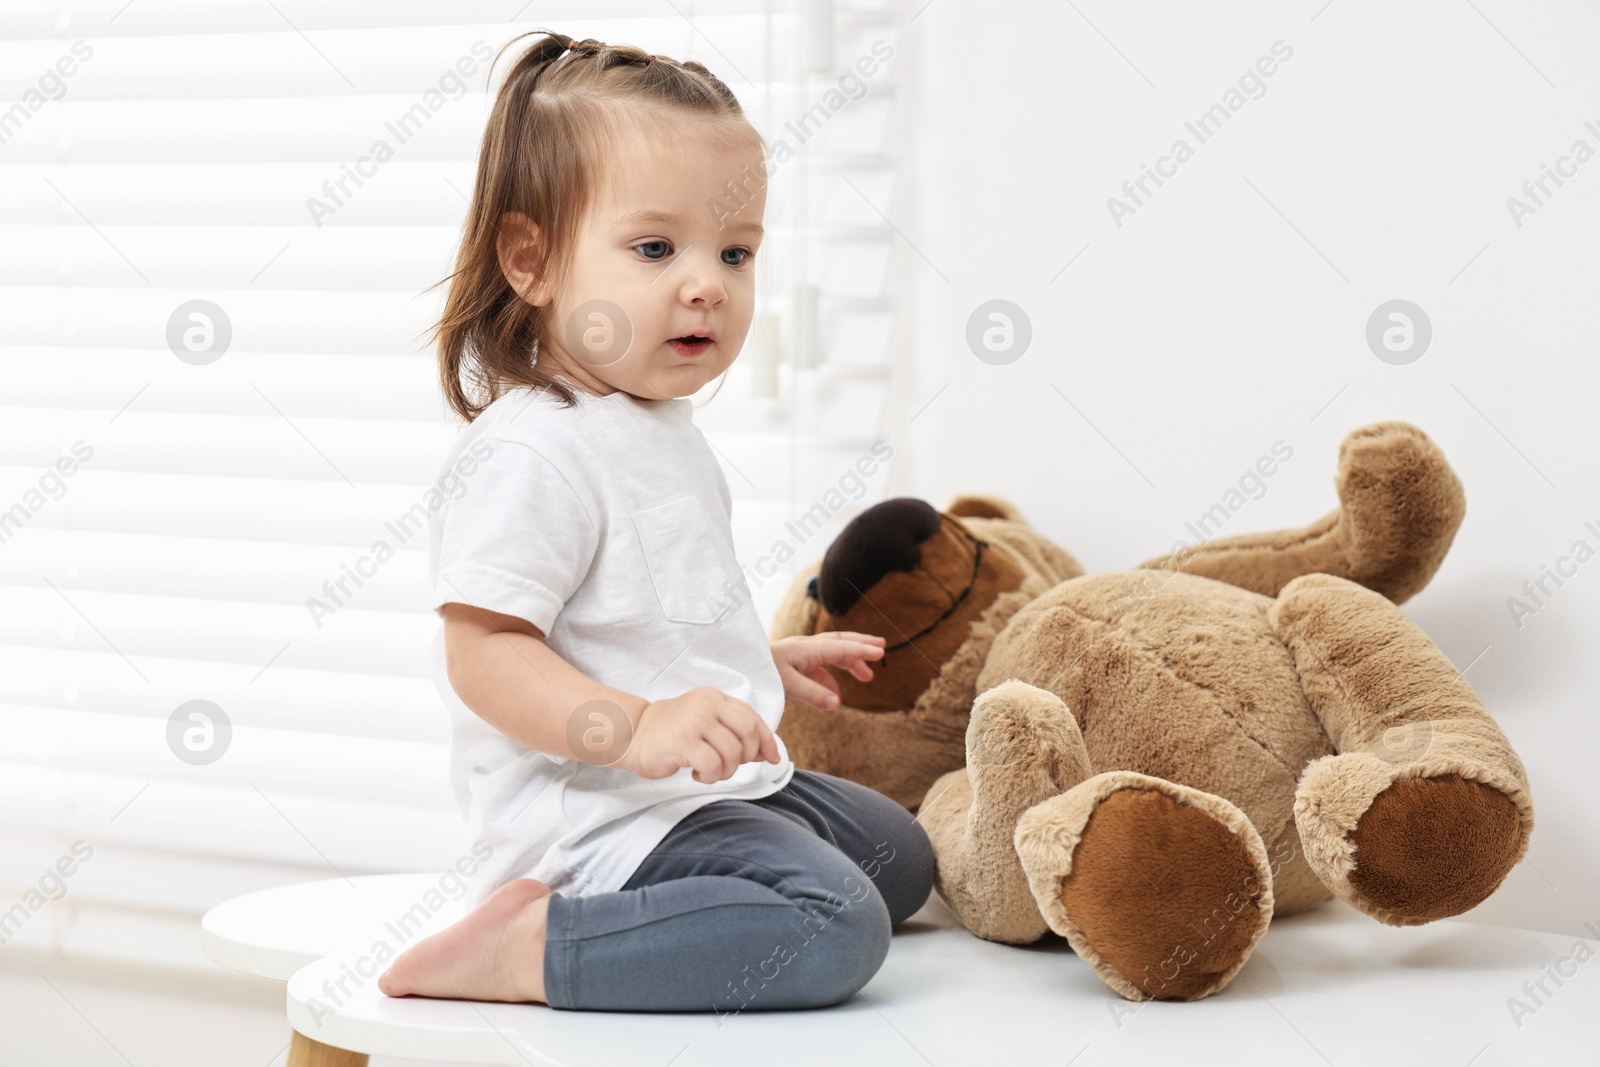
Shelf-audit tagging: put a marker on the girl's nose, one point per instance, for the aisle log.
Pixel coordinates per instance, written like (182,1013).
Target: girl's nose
(702,281)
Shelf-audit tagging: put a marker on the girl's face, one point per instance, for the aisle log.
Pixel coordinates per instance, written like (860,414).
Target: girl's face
(661,287)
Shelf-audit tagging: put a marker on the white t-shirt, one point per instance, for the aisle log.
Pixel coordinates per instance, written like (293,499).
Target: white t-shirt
(606,525)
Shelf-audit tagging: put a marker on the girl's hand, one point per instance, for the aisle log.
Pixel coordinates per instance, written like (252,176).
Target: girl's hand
(704,728)
(803,661)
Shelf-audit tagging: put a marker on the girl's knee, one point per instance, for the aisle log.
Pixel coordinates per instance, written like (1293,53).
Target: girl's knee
(867,946)
(925,864)
(851,946)
(904,869)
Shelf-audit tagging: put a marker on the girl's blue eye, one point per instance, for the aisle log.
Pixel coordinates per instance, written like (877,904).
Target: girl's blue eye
(653,249)
(740,255)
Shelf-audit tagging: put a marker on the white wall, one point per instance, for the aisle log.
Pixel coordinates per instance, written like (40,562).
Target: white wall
(1229,312)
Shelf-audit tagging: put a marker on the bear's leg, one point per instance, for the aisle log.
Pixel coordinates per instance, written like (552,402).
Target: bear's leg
(1399,507)
(1163,889)
(1023,745)
(1425,808)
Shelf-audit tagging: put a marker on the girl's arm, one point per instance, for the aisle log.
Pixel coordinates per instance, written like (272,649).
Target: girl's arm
(502,669)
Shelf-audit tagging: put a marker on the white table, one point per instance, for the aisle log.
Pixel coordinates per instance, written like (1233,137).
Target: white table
(1332,987)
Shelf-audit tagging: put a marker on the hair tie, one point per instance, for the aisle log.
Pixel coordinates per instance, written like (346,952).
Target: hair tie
(647,59)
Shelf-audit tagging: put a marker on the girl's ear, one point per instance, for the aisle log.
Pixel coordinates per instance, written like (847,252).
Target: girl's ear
(521,252)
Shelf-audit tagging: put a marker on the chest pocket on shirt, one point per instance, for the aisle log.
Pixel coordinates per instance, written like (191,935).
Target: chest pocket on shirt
(681,553)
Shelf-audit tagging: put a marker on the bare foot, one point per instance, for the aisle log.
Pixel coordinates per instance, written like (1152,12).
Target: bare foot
(494,952)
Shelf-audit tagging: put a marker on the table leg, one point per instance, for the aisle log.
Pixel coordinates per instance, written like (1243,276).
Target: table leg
(304,1052)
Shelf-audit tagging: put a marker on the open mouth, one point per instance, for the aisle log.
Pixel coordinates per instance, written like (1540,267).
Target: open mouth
(690,344)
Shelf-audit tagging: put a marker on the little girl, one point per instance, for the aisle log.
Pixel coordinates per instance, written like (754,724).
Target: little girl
(611,687)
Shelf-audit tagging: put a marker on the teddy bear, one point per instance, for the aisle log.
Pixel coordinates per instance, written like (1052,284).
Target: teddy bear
(1153,763)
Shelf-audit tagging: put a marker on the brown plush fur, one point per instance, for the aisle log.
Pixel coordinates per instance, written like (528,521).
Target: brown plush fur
(1024,748)
(1396,709)
(1429,848)
(1107,755)
(1399,507)
(1203,896)
(1144,856)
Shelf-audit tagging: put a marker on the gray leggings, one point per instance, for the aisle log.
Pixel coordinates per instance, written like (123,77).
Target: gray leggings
(781,902)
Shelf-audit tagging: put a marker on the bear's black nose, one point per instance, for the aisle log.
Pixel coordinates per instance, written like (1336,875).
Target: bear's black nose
(886,537)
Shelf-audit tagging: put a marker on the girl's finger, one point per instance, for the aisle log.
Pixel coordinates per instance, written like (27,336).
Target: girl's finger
(750,743)
(706,761)
(844,652)
(814,693)
(824,679)
(860,636)
(864,673)
(870,639)
(856,666)
(729,746)
(753,725)
(769,743)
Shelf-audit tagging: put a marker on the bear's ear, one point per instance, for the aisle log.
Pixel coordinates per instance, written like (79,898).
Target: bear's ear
(983,506)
